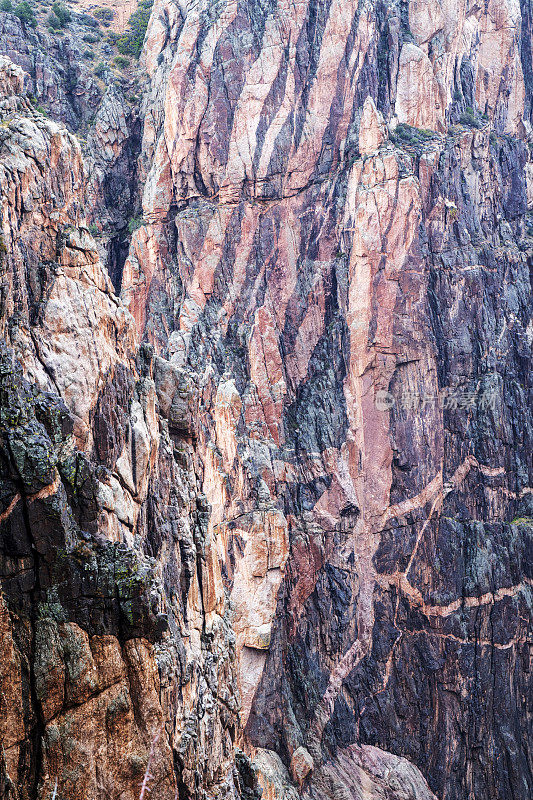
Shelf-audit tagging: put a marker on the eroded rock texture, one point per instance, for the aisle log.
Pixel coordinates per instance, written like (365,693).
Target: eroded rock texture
(105,647)
(271,508)
(64,80)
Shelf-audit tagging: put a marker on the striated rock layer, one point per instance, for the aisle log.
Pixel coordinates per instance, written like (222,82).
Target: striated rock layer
(268,515)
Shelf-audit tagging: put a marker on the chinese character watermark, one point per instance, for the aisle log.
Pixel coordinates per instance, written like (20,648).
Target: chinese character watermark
(448,399)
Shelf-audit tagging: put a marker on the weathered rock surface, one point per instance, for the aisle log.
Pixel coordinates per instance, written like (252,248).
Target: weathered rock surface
(57,304)
(65,81)
(56,73)
(291,531)
(358,307)
(106,654)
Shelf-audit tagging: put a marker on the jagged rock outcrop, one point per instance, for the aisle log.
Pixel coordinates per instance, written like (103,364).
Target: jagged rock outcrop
(272,508)
(58,308)
(106,652)
(65,81)
(56,73)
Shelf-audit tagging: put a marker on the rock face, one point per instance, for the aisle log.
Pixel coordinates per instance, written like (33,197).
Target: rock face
(268,515)
(106,654)
(56,74)
(63,81)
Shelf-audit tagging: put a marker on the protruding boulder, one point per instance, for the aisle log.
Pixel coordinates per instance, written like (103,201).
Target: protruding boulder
(11,78)
(372,131)
(418,101)
(426,18)
(301,765)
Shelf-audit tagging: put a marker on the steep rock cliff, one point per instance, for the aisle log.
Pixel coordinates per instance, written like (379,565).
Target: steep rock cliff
(65,80)
(286,542)
(106,655)
(337,240)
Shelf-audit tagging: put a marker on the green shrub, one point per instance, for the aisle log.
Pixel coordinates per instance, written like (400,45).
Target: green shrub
(121,62)
(90,38)
(86,19)
(93,229)
(101,69)
(54,23)
(104,13)
(131,42)
(469,118)
(473,118)
(59,16)
(6,5)
(134,224)
(407,135)
(26,14)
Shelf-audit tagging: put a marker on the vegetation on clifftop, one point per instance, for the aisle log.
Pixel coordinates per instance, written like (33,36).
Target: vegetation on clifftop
(59,16)
(130,44)
(26,14)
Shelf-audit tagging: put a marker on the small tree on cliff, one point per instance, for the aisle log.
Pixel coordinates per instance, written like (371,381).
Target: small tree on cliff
(131,43)
(59,17)
(26,14)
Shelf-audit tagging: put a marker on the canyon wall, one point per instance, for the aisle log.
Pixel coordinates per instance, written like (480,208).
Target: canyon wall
(266,504)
